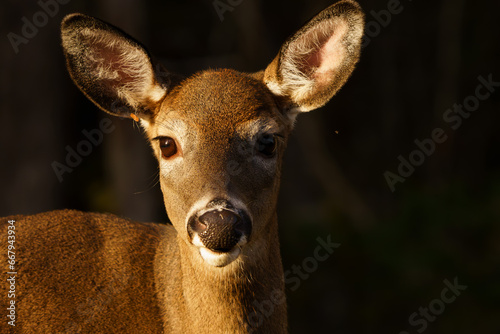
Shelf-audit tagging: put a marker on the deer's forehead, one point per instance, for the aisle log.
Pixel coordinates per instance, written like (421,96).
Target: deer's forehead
(223,98)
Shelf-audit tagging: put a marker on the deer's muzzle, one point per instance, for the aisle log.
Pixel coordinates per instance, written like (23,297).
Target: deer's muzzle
(220,233)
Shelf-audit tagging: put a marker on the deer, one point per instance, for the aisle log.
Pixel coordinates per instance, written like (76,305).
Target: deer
(219,136)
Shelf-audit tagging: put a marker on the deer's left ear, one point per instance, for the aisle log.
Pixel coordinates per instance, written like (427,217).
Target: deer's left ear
(316,61)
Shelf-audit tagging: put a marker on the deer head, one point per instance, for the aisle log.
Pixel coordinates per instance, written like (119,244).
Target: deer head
(218,135)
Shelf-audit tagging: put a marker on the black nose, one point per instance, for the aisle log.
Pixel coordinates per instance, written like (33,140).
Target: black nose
(220,229)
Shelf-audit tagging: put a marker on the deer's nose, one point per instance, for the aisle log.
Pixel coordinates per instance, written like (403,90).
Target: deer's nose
(220,229)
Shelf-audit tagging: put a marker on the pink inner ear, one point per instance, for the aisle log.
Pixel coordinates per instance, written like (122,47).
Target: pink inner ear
(329,53)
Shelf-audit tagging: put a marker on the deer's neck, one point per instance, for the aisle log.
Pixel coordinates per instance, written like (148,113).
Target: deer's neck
(245,297)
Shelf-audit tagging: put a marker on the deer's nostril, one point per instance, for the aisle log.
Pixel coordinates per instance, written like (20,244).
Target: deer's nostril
(220,230)
(197,226)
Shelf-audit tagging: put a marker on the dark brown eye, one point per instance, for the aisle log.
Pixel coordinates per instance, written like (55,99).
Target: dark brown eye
(266,145)
(168,147)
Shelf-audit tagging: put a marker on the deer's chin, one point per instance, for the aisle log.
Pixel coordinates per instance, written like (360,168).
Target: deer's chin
(215,258)
(219,259)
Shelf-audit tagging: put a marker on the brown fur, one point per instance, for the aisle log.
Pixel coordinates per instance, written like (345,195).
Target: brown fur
(98,273)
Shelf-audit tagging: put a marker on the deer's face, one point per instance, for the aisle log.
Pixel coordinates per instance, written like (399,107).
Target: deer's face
(219,138)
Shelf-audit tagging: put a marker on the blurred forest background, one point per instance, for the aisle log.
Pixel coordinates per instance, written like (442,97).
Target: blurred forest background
(397,247)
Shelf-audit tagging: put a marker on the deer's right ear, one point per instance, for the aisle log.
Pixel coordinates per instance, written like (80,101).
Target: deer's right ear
(316,61)
(111,68)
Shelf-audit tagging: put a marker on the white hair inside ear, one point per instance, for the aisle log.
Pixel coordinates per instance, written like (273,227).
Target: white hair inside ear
(315,62)
(312,59)
(109,58)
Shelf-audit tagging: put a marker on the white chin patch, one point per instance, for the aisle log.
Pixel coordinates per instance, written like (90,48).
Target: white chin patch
(217,259)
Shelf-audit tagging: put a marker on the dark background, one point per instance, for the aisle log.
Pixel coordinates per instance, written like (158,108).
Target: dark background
(397,247)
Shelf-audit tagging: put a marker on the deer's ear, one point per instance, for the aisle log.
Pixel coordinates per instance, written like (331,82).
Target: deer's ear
(316,61)
(111,68)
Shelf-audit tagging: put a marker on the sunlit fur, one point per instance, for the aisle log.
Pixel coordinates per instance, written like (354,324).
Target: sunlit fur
(100,273)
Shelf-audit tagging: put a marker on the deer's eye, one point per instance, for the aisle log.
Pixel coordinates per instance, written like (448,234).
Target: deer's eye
(266,145)
(168,147)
